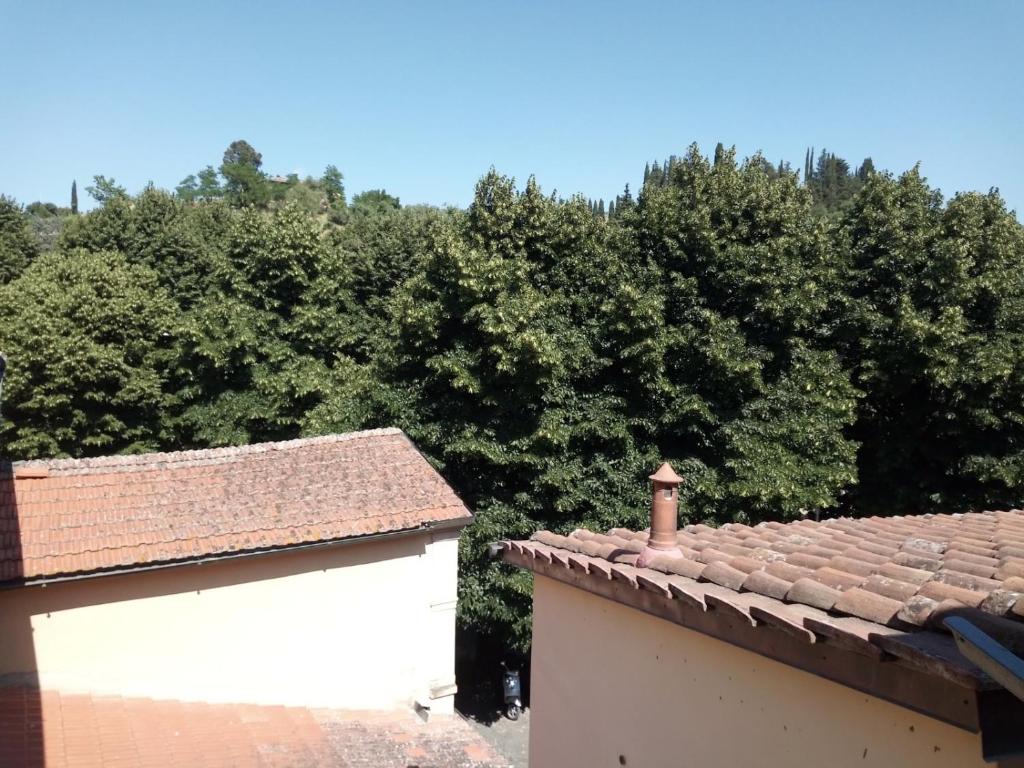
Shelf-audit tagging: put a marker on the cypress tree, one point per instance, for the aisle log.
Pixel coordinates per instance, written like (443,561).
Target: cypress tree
(74,196)
(719,152)
(647,172)
(600,209)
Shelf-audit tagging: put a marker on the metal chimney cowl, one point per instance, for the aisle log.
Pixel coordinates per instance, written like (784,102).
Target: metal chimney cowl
(664,516)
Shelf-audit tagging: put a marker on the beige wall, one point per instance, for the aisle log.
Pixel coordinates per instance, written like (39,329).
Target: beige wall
(614,686)
(362,626)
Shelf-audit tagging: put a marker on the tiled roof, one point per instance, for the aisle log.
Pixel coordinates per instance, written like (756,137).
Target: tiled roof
(50,729)
(862,582)
(82,515)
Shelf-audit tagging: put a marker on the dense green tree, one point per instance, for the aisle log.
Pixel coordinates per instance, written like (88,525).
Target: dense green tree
(182,244)
(933,330)
(383,249)
(88,339)
(716,340)
(495,371)
(17,244)
(74,197)
(258,351)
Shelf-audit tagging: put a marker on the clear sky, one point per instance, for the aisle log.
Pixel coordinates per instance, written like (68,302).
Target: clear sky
(421,98)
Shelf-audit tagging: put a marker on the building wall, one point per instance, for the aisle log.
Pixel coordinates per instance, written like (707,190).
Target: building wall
(612,686)
(365,626)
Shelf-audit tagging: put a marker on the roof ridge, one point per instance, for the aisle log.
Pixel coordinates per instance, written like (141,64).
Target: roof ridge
(141,460)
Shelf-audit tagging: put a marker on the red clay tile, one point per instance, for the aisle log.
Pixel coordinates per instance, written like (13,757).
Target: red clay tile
(764,583)
(870,606)
(724,575)
(891,588)
(937,590)
(118,511)
(813,593)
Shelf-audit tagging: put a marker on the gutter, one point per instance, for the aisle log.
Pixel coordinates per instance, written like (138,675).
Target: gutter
(456,523)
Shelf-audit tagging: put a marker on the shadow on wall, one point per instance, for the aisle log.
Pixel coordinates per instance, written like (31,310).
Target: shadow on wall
(21,720)
(197,631)
(197,577)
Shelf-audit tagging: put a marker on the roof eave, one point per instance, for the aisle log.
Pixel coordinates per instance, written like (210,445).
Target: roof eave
(947,692)
(455,523)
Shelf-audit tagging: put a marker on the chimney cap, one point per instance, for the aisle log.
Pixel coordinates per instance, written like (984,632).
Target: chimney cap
(666,474)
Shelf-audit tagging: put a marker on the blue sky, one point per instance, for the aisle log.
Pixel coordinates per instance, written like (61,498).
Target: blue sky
(422,98)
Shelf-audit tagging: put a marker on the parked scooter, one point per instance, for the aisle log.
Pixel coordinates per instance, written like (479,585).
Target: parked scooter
(513,693)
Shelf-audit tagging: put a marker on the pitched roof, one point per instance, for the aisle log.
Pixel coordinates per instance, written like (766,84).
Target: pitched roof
(862,582)
(72,516)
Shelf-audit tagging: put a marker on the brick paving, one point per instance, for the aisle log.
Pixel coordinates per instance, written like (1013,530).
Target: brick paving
(48,729)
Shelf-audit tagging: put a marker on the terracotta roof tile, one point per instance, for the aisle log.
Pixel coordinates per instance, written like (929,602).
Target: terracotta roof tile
(82,515)
(851,581)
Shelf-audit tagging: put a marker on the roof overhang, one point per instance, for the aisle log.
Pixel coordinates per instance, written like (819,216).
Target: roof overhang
(454,524)
(922,671)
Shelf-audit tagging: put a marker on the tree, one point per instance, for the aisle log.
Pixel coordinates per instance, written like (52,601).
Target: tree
(188,188)
(103,190)
(865,170)
(88,339)
(334,187)
(244,183)
(727,280)
(933,329)
(374,201)
(263,349)
(184,245)
(242,153)
(74,197)
(18,246)
(209,187)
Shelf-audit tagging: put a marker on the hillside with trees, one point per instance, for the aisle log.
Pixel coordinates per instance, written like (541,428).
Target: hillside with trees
(838,340)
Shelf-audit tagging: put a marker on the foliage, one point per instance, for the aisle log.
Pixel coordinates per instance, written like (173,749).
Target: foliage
(17,244)
(933,331)
(104,190)
(334,186)
(88,339)
(374,201)
(180,243)
(840,342)
(716,327)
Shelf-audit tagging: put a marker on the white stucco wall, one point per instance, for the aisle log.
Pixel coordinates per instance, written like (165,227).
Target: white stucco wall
(364,626)
(612,686)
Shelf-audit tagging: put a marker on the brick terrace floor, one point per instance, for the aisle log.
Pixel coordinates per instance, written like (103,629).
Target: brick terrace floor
(47,729)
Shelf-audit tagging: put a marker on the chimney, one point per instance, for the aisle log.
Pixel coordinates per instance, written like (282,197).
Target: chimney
(664,515)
